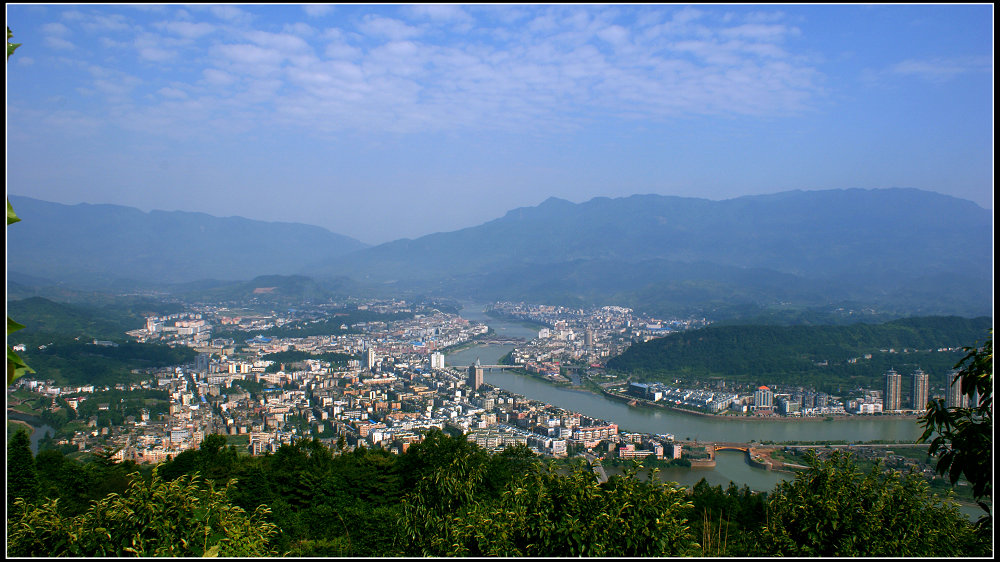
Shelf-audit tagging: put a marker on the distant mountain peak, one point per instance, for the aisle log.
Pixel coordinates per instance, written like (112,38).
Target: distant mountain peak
(88,244)
(555,201)
(797,246)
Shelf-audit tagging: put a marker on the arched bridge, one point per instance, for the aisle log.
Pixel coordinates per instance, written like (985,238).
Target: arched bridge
(732,447)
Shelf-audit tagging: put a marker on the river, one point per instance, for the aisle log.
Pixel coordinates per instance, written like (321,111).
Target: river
(730,466)
(37,427)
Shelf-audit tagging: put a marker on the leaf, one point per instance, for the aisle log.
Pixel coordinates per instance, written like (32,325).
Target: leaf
(11,215)
(11,47)
(16,367)
(13,326)
(212,552)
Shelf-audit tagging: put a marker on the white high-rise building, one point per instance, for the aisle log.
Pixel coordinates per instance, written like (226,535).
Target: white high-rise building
(763,398)
(437,360)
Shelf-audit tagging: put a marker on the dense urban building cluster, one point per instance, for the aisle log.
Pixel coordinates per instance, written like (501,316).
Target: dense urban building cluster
(385,405)
(396,386)
(763,400)
(393,384)
(582,335)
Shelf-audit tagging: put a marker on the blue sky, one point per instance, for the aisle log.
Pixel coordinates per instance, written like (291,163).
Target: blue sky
(384,122)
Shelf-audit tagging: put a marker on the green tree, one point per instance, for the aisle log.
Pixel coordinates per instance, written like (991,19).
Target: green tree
(963,437)
(22,479)
(834,509)
(158,518)
(64,479)
(106,476)
(725,520)
(437,451)
(544,513)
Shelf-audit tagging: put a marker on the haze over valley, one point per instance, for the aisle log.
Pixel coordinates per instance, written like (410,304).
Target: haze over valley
(896,251)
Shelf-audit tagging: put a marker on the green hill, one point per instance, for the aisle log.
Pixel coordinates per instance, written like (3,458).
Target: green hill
(51,318)
(59,340)
(824,357)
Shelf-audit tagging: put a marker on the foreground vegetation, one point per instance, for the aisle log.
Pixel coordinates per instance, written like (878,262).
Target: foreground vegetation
(448,497)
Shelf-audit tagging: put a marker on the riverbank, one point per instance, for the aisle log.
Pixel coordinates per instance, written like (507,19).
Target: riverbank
(37,428)
(465,345)
(593,388)
(524,323)
(24,424)
(17,415)
(632,401)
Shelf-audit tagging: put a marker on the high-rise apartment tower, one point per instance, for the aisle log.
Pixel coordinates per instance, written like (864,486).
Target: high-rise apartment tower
(475,375)
(953,392)
(892,398)
(920,390)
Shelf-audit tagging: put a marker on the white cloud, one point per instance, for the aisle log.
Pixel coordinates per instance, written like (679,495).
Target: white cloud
(941,69)
(55,36)
(153,48)
(687,14)
(69,123)
(284,42)
(552,71)
(760,32)
(217,77)
(440,12)
(614,34)
(72,15)
(388,28)
(186,29)
(317,10)
(55,28)
(249,58)
(106,23)
(764,17)
(172,93)
(299,28)
(59,43)
(232,14)
(339,50)
(118,88)
(110,43)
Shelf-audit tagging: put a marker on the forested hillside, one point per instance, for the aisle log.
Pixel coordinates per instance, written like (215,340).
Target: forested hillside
(59,341)
(824,357)
(107,321)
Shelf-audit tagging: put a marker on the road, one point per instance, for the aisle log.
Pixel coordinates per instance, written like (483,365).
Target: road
(602,475)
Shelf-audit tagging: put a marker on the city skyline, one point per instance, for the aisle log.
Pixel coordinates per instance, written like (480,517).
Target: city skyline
(385,122)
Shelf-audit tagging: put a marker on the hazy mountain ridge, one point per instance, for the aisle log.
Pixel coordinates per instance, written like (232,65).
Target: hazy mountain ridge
(805,233)
(906,250)
(903,247)
(99,244)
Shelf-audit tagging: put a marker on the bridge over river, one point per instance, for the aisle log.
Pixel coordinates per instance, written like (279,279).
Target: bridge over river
(500,341)
(756,455)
